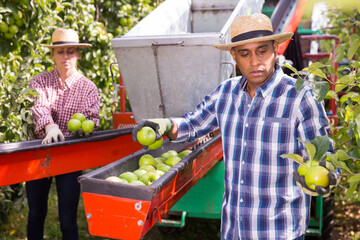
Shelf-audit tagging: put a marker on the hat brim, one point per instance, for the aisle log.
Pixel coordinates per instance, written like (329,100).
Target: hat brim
(282,37)
(77,45)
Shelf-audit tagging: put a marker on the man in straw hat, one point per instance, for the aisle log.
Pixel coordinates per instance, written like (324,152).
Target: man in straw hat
(260,116)
(62,92)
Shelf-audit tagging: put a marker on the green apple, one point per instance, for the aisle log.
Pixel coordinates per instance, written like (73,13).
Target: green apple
(74,125)
(159,160)
(172,153)
(128,176)
(156,145)
(164,168)
(171,161)
(304,167)
(149,177)
(169,153)
(88,126)
(79,116)
(158,165)
(139,172)
(316,176)
(115,179)
(137,182)
(159,172)
(146,136)
(147,167)
(147,159)
(184,153)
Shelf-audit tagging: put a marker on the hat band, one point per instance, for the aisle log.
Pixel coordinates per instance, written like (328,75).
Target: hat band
(64,42)
(251,34)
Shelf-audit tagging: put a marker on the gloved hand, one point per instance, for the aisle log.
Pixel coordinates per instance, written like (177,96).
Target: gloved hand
(53,133)
(334,176)
(160,125)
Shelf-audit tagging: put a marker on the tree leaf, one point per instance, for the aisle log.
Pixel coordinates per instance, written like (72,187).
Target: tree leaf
(354,178)
(321,90)
(354,45)
(296,157)
(322,144)
(318,72)
(310,150)
(342,155)
(291,68)
(299,84)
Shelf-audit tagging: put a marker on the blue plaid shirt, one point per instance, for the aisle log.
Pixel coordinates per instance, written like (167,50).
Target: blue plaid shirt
(261,199)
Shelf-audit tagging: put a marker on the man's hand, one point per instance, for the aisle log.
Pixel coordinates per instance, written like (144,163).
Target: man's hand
(53,134)
(161,126)
(334,176)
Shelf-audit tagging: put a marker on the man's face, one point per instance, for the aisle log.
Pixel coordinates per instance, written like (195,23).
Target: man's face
(256,61)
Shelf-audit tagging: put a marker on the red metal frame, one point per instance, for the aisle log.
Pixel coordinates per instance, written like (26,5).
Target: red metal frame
(29,165)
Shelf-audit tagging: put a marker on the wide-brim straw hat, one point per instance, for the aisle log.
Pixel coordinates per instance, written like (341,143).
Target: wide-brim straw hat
(251,29)
(66,38)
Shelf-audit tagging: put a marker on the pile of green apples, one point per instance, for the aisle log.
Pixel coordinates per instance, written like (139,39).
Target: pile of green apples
(79,122)
(150,168)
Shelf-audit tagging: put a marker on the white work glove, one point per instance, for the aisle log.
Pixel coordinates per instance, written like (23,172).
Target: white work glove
(53,133)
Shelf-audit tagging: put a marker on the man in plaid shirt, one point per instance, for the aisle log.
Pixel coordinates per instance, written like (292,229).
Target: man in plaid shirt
(260,116)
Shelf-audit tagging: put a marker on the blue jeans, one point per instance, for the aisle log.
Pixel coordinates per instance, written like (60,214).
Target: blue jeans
(68,191)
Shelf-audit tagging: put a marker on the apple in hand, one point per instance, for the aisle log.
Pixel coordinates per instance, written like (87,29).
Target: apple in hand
(171,161)
(146,136)
(128,176)
(147,159)
(304,167)
(156,145)
(149,177)
(317,176)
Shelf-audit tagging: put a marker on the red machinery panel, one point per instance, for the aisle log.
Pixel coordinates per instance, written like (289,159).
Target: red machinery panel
(125,211)
(30,160)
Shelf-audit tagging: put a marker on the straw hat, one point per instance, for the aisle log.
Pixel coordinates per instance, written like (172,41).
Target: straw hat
(66,38)
(250,29)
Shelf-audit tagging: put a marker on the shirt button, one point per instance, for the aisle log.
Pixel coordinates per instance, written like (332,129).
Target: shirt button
(243,162)
(246,125)
(249,105)
(241,200)
(242,181)
(245,144)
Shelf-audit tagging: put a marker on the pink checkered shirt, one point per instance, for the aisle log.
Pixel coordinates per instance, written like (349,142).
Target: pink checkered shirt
(57,104)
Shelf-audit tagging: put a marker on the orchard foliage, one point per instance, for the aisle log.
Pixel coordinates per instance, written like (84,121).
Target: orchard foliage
(344,63)
(27,25)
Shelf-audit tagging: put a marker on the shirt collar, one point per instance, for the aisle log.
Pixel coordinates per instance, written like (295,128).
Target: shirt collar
(69,81)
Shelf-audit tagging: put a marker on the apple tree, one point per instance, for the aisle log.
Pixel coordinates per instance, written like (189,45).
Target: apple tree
(345,131)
